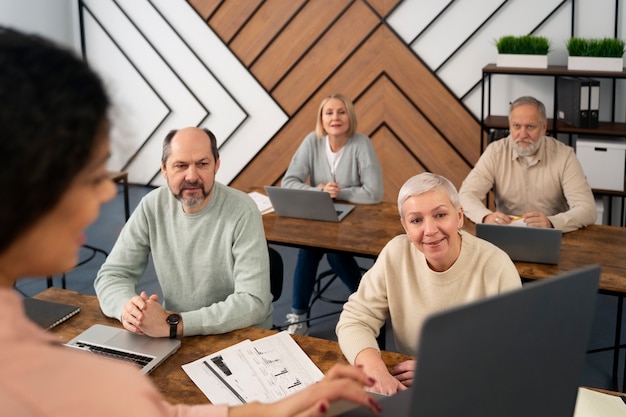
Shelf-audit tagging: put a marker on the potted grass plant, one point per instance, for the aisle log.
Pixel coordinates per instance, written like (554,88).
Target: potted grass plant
(527,51)
(603,54)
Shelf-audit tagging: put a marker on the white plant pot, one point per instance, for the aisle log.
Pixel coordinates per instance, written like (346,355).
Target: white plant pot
(588,63)
(522,61)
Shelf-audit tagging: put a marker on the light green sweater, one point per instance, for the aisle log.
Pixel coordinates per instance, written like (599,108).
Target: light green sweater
(212,266)
(400,285)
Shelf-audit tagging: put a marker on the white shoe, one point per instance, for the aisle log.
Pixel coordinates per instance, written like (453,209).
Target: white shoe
(297,328)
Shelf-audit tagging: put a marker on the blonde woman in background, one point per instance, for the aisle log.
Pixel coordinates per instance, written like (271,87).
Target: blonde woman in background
(337,160)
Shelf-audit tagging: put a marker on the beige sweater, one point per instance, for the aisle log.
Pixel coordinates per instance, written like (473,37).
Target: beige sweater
(401,286)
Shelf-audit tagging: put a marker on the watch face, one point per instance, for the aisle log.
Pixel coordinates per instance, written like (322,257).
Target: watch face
(173,319)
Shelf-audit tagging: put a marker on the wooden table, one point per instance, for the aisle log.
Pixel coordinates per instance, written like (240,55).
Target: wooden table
(366,230)
(363,232)
(169,377)
(594,244)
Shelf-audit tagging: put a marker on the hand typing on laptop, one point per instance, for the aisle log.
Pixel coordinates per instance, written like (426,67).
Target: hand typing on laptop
(404,372)
(372,364)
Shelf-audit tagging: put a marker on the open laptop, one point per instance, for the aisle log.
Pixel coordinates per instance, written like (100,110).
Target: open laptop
(525,244)
(306,204)
(144,351)
(517,354)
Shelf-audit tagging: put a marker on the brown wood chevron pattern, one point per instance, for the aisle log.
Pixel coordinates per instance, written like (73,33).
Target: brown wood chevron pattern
(302,51)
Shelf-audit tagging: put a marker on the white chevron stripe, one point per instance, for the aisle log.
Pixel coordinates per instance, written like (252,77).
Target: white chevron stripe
(193,72)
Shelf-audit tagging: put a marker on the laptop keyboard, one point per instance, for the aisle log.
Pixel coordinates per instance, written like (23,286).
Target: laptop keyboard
(339,212)
(139,360)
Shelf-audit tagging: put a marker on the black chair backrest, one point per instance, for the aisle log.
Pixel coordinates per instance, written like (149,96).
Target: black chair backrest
(276,273)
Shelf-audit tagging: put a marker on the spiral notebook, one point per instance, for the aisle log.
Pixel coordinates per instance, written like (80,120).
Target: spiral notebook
(48,314)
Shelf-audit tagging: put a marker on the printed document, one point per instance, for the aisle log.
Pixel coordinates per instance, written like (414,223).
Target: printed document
(590,403)
(262,202)
(263,370)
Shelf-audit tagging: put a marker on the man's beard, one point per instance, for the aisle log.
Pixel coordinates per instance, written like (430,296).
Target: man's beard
(529,150)
(192,201)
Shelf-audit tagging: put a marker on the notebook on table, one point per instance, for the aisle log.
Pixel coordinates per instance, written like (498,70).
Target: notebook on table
(48,314)
(517,354)
(524,244)
(306,204)
(144,351)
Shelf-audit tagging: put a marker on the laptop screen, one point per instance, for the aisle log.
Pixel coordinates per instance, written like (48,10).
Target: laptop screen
(525,244)
(517,354)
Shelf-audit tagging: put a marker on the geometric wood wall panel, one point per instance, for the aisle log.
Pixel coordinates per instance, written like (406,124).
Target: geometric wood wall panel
(166,69)
(302,51)
(255,71)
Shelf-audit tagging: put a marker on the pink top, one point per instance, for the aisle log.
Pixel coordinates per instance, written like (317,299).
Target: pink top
(40,377)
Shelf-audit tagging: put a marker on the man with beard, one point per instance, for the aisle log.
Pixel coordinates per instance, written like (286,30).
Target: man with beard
(208,247)
(533,176)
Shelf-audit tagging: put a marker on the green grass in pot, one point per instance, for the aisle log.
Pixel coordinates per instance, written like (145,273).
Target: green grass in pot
(526,44)
(605,47)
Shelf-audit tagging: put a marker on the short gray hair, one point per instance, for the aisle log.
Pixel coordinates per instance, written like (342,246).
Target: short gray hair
(425,182)
(533,102)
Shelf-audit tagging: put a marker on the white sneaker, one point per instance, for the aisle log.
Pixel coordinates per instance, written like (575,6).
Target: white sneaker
(297,328)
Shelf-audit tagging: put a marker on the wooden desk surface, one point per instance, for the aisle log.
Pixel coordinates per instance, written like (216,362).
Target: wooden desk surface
(594,244)
(169,377)
(364,232)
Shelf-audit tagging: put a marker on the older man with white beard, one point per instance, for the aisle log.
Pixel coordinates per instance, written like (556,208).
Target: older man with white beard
(533,176)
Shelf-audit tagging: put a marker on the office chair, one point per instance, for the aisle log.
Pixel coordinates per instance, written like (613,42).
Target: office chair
(496,134)
(276,278)
(92,254)
(276,273)
(276,286)
(322,282)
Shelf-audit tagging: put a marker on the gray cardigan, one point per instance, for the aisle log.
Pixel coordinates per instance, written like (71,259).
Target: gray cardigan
(358,173)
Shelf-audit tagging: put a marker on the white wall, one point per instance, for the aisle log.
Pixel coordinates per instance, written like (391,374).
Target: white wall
(54,19)
(436,38)
(57,19)
(166,69)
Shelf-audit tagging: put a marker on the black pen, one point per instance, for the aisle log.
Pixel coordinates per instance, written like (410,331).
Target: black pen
(224,382)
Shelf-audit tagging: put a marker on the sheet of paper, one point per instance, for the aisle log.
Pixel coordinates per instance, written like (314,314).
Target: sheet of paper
(263,370)
(590,403)
(262,202)
(517,221)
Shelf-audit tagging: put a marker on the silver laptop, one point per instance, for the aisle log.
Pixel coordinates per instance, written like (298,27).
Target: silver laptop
(306,204)
(524,244)
(143,351)
(517,354)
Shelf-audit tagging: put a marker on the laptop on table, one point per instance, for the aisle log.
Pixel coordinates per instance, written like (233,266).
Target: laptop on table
(306,204)
(517,354)
(144,351)
(524,244)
